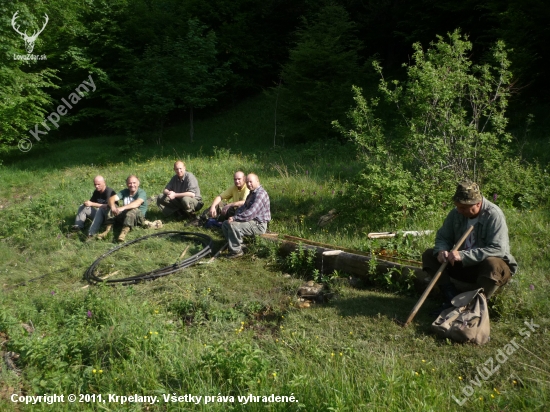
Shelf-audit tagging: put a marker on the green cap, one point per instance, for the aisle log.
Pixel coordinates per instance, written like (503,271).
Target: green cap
(467,193)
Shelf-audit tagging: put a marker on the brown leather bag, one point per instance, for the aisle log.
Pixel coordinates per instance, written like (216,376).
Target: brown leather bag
(467,320)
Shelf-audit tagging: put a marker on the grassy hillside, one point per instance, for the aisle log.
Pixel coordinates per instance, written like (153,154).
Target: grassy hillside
(235,328)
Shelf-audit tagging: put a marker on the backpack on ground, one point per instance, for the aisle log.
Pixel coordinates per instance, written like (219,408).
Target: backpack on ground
(467,320)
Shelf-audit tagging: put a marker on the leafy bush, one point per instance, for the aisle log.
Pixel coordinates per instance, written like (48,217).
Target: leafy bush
(449,125)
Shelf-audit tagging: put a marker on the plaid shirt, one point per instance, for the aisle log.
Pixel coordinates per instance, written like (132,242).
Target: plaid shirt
(256,207)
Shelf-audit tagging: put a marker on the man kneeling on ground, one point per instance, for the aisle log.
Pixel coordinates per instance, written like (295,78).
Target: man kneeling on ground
(250,219)
(131,213)
(484,260)
(181,195)
(237,193)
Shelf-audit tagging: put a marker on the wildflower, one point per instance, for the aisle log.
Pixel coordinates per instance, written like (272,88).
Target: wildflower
(495,197)
(433,370)
(145,337)
(89,314)
(351,333)
(52,293)
(460,378)
(492,396)
(150,333)
(515,382)
(423,361)
(156,311)
(274,374)
(532,287)
(156,333)
(94,371)
(100,371)
(481,398)
(332,354)
(416,373)
(341,354)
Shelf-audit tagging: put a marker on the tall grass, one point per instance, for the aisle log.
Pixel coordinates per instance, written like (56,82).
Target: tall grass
(234,327)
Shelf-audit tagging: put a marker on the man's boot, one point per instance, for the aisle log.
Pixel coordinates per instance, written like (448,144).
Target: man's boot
(123,234)
(103,235)
(449,291)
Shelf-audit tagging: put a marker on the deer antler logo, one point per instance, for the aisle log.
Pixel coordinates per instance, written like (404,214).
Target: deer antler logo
(29,40)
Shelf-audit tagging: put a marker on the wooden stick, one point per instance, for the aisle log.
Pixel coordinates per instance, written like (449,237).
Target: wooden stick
(184,252)
(104,277)
(436,278)
(216,255)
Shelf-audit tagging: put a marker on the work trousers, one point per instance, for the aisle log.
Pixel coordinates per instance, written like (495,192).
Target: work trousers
(235,231)
(188,205)
(84,212)
(490,272)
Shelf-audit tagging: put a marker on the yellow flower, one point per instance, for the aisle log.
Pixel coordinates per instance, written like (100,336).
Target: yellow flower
(145,337)
(433,370)
(460,378)
(274,374)
(341,354)
(480,398)
(492,396)
(351,333)
(423,361)
(156,333)
(515,382)
(416,373)
(150,333)
(101,371)
(94,371)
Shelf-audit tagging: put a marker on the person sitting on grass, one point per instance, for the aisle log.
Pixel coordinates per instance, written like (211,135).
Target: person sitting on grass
(484,260)
(131,213)
(89,208)
(237,193)
(250,219)
(181,195)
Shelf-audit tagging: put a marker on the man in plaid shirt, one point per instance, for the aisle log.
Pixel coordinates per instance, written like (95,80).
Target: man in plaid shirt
(250,219)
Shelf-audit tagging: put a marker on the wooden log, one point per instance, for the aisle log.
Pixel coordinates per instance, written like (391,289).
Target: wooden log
(329,258)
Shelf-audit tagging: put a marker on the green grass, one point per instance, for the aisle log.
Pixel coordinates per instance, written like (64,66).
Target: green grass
(234,327)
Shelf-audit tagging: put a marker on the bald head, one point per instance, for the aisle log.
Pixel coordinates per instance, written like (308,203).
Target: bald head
(239,179)
(252,181)
(179,168)
(99,183)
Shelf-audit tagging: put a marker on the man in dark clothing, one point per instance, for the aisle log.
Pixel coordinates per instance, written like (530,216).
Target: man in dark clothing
(89,208)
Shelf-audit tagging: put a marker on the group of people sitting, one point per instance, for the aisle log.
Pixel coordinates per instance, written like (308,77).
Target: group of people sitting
(243,209)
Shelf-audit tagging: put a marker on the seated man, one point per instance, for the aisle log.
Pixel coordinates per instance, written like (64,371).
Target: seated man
(250,219)
(484,260)
(237,193)
(182,195)
(88,209)
(131,213)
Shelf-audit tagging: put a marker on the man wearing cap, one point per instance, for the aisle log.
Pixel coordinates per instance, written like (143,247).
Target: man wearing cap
(484,259)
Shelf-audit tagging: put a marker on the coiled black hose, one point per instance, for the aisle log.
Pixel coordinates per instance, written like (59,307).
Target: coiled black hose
(205,240)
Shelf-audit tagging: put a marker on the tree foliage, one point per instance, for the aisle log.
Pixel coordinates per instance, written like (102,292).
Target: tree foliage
(318,77)
(450,118)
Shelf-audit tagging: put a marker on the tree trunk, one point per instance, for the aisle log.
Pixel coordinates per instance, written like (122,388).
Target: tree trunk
(191,130)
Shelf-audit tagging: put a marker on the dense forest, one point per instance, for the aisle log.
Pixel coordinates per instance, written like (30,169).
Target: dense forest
(156,63)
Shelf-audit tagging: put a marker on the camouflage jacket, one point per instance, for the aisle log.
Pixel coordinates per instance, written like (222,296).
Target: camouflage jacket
(491,234)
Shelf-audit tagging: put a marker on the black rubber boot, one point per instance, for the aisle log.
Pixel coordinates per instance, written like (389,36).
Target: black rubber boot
(449,291)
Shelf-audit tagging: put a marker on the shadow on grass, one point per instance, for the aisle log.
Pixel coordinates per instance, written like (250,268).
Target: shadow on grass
(391,307)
